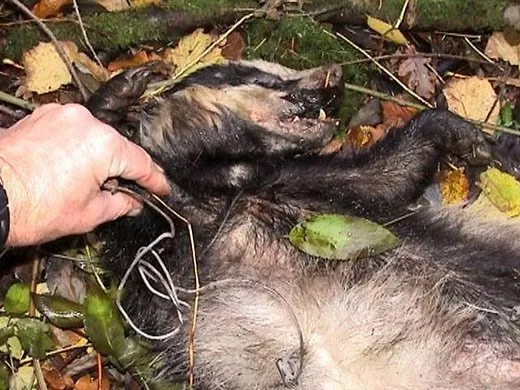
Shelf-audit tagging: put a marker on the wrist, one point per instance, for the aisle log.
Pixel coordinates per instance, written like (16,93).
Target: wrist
(13,188)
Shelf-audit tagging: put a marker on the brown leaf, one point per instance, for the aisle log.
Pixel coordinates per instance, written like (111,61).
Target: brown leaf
(472,98)
(87,382)
(47,8)
(56,380)
(396,115)
(417,76)
(141,57)
(499,48)
(234,47)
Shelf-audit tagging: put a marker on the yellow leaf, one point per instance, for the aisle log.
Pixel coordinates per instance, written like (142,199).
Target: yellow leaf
(190,48)
(503,190)
(46,71)
(386,30)
(454,186)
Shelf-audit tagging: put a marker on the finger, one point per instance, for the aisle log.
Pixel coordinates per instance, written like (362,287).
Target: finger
(108,206)
(38,113)
(136,165)
(43,110)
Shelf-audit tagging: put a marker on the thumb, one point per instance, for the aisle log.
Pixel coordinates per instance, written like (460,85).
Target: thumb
(108,206)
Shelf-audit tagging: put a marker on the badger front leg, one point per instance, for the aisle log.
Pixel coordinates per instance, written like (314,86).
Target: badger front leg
(112,100)
(389,175)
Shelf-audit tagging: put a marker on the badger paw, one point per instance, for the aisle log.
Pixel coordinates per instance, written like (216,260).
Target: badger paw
(111,101)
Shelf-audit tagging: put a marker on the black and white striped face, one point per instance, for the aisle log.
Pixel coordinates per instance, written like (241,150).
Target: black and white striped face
(285,109)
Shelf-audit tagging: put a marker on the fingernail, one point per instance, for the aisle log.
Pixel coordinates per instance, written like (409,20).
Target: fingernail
(135,212)
(159,168)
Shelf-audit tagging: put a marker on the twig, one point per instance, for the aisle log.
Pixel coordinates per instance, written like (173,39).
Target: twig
(383,96)
(476,49)
(32,312)
(58,351)
(10,112)
(417,55)
(386,71)
(403,102)
(56,44)
(401,15)
(5,97)
(84,32)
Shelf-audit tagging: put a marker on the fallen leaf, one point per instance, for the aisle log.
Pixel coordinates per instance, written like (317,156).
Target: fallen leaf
(341,237)
(362,136)
(472,98)
(190,48)
(498,47)
(144,3)
(33,335)
(396,115)
(17,299)
(141,57)
(47,8)
(454,186)
(5,373)
(87,382)
(234,47)
(502,189)
(418,76)
(22,379)
(114,5)
(55,379)
(386,30)
(47,72)
(44,68)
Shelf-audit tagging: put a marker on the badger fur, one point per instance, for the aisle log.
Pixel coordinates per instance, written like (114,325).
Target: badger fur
(238,143)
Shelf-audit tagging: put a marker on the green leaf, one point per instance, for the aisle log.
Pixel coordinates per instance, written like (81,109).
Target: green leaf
(5,373)
(103,323)
(17,299)
(60,311)
(502,189)
(12,345)
(33,336)
(6,333)
(134,354)
(341,237)
(506,115)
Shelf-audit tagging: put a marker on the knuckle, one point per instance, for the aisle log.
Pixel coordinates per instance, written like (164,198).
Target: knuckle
(72,112)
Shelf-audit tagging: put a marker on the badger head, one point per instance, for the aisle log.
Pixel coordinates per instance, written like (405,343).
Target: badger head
(242,110)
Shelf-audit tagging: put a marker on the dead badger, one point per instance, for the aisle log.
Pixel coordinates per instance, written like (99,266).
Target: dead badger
(238,143)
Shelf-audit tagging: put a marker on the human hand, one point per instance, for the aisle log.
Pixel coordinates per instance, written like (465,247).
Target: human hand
(53,164)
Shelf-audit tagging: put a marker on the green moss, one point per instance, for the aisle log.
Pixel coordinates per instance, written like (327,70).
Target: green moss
(208,7)
(449,15)
(110,31)
(300,43)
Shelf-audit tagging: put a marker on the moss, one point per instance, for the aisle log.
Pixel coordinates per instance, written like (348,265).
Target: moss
(110,31)
(449,15)
(123,29)
(300,43)
(208,7)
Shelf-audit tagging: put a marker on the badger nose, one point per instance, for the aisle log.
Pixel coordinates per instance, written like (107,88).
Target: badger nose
(328,76)
(332,75)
